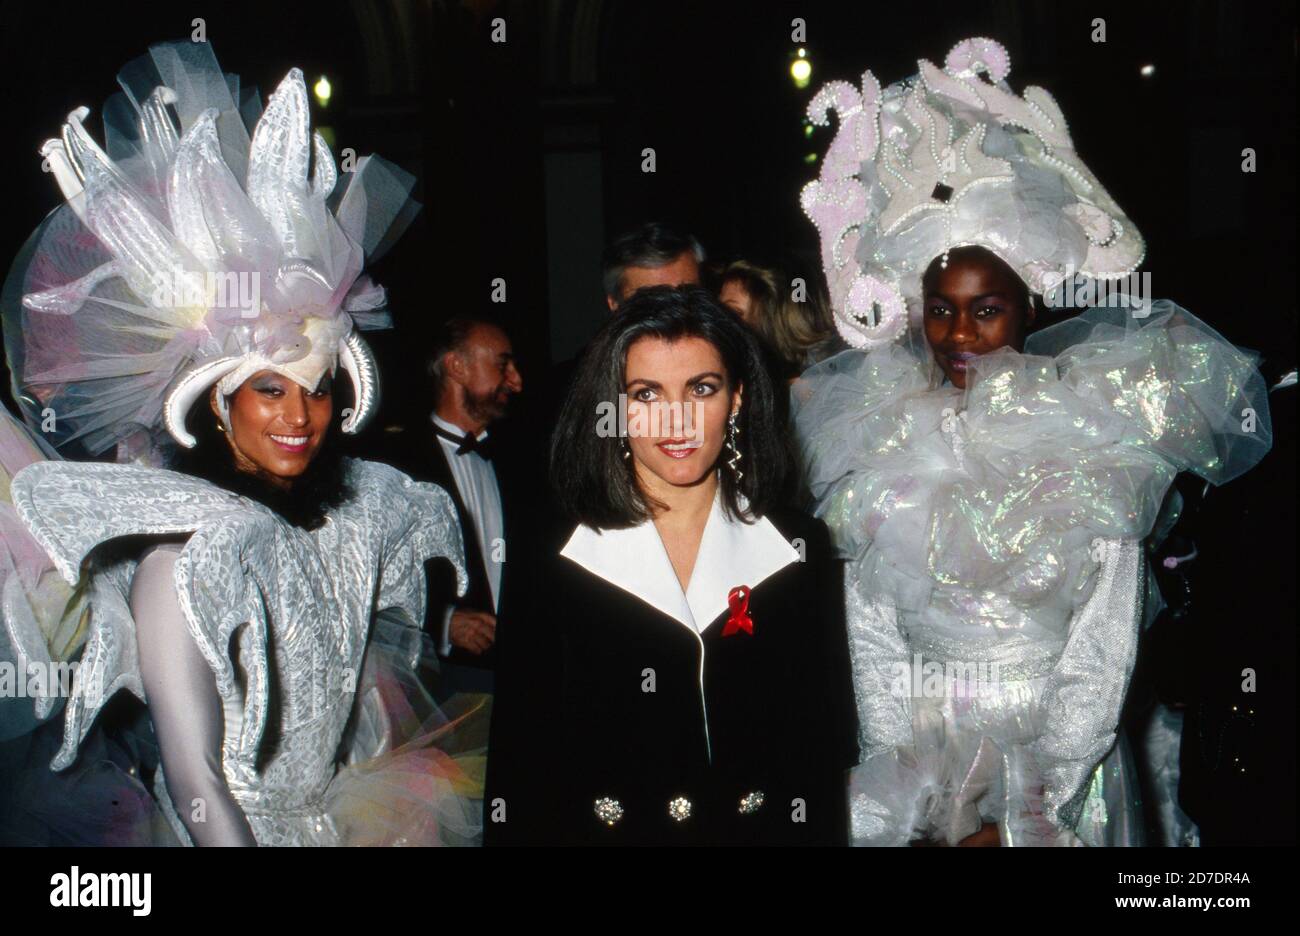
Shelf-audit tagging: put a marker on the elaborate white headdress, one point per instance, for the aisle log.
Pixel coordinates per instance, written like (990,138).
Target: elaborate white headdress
(948,158)
(205,241)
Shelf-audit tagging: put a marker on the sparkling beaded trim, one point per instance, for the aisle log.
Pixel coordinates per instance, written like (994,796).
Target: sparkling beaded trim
(609,811)
(916,149)
(751,803)
(680,808)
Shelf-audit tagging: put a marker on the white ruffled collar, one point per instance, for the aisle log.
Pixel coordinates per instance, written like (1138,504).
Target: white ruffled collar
(731,553)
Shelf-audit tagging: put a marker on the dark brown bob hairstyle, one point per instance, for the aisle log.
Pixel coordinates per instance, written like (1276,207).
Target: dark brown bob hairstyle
(594,483)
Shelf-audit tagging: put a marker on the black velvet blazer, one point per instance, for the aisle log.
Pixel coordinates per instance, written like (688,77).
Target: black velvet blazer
(615,723)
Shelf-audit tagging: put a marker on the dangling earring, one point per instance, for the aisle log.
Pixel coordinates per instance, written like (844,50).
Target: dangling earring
(627,452)
(223,412)
(732,432)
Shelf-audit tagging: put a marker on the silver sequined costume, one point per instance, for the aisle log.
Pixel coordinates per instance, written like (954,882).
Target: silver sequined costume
(281,615)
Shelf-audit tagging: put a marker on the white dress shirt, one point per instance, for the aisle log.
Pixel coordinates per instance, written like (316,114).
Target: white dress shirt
(476,482)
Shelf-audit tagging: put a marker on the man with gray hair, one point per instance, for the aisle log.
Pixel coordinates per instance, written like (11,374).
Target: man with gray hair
(653,254)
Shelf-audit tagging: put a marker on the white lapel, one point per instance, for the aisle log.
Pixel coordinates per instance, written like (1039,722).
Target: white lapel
(731,553)
(635,560)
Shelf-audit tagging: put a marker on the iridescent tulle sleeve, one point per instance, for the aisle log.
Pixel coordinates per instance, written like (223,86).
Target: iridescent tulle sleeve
(1085,690)
(853,411)
(1185,393)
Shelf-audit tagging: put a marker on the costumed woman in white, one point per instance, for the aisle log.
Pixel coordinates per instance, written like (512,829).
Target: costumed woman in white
(190,306)
(992,488)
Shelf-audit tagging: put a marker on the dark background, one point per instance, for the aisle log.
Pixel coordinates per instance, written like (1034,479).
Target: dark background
(529,159)
(529,151)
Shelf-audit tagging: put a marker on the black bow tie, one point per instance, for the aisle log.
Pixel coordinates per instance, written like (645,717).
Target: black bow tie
(468,443)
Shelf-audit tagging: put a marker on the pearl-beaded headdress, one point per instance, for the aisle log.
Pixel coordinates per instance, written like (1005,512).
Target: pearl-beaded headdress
(948,158)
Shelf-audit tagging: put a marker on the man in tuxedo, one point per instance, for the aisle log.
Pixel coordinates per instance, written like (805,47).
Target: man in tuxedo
(472,368)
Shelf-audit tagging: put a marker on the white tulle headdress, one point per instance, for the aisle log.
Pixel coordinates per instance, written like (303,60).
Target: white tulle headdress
(953,157)
(206,240)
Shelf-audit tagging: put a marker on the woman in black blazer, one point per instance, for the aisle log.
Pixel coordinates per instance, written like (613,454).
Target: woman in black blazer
(681,673)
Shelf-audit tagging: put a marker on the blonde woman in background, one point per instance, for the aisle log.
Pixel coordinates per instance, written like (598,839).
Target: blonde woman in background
(800,333)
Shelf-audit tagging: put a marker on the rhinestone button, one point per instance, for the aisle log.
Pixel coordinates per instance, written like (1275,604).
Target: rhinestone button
(609,811)
(680,808)
(751,802)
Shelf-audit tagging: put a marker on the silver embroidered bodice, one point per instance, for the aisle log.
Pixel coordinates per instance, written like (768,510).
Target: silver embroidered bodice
(280,614)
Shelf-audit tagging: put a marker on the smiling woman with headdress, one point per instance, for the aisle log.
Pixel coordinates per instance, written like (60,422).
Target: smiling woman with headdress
(193,304)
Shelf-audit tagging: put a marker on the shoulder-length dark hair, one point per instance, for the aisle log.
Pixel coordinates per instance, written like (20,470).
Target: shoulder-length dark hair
(322,487)
(594,483)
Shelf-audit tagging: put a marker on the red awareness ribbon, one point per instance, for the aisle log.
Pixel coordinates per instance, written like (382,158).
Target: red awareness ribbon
(738,601)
